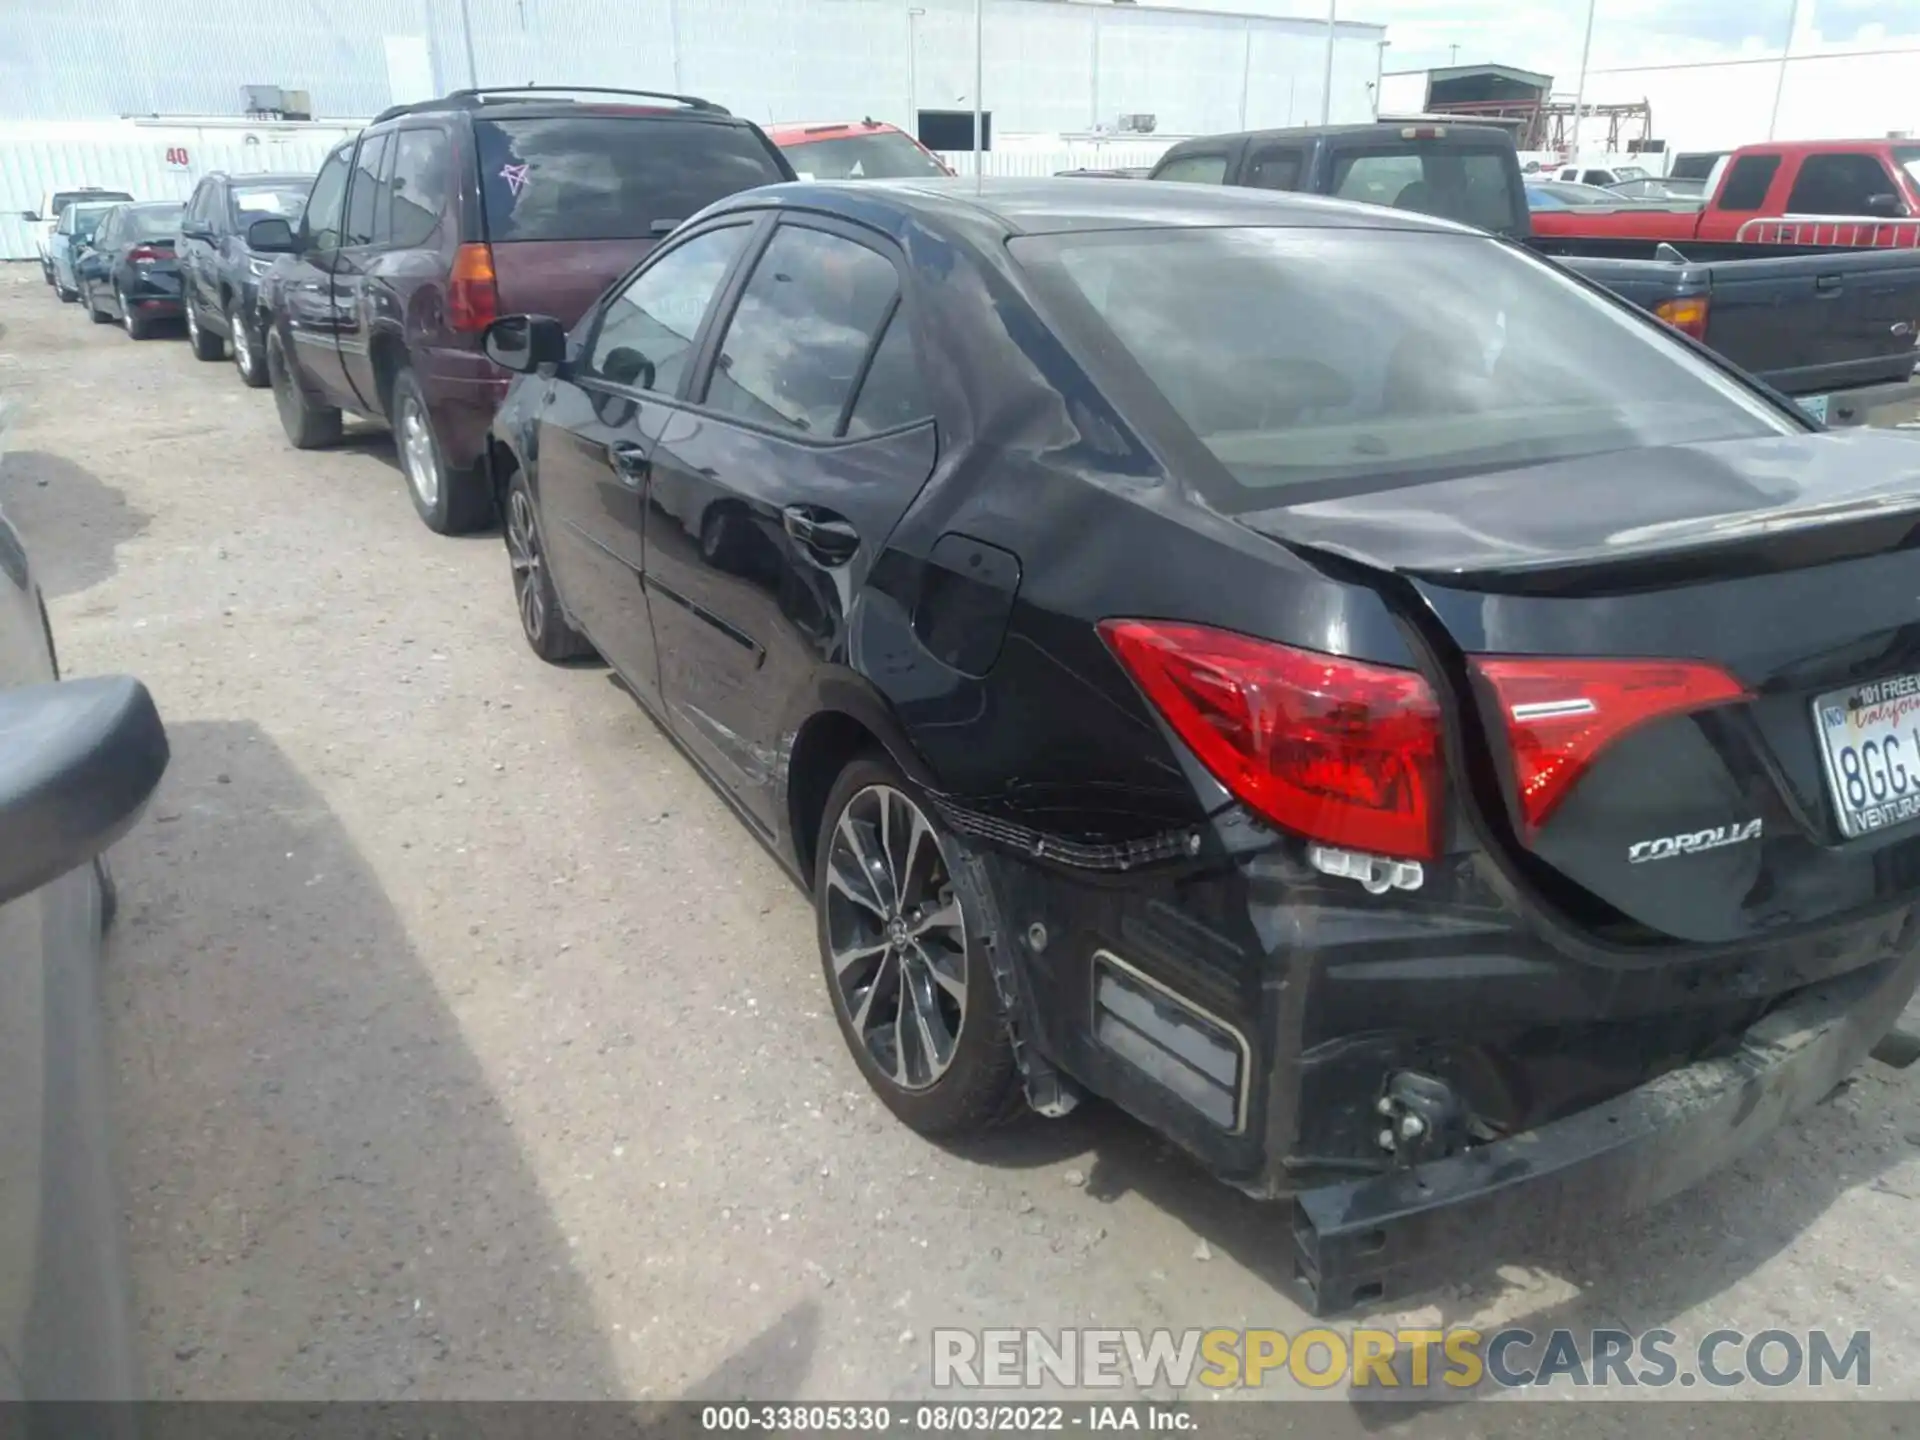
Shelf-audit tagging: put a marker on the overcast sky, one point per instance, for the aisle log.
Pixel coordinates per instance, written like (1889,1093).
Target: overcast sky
(1545,34)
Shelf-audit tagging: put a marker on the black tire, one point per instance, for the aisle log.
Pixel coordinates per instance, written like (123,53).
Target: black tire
(67,297)
(137,326)
(249,352)
(206,346)
(94,312)
(980,1086)
(109,894)
(46,271)
(308,425)
(550,633)
(451,502)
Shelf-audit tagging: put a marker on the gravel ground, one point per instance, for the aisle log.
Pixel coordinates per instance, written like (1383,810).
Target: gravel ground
(468,1047)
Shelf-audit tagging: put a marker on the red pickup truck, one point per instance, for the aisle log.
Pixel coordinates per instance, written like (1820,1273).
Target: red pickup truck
(1816,192)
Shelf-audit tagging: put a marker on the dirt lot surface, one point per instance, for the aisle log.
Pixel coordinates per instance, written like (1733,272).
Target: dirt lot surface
(467,1046)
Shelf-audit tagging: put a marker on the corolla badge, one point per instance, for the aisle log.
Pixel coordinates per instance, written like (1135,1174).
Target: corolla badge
(1668,846)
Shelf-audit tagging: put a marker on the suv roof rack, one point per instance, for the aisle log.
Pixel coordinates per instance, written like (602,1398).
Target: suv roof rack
(508,94)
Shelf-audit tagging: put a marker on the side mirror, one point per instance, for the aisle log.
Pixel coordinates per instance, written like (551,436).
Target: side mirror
(33,215)
(523,343)
(195,232)
(1887,206)
(79,760)
(272,236)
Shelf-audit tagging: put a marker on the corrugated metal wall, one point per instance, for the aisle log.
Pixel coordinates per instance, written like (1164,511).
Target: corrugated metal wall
(1050,66)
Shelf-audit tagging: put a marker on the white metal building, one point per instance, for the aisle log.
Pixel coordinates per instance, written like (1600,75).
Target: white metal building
(1052,65)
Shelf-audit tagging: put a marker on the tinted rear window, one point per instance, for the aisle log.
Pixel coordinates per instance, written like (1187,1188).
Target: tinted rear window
(1471,186)
(153,223)
(887,155)
(607,177)
(1371,356)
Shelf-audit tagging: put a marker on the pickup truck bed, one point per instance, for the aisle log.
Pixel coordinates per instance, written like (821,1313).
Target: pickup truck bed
(1811,322)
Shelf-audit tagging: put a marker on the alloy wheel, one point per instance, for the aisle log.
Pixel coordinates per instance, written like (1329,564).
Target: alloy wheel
(523,553)
(416,453)
(896,936)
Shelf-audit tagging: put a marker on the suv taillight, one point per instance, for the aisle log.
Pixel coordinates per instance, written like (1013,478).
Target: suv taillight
(473,295)
(1336,750)
(1561,713)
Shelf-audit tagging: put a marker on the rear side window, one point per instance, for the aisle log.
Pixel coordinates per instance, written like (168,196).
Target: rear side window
(421,170)
(1748,182)
(647,333)
(608,177)
(1195,169)
(363,197)
(1274,170)
(893,393)
(798,339)
(1838,185)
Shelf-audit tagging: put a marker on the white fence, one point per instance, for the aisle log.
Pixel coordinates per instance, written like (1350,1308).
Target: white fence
(29,168)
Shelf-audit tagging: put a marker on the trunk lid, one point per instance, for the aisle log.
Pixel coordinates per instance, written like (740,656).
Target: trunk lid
(1791,564)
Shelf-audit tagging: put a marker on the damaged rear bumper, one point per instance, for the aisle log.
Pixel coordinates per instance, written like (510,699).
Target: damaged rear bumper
(1372,1239)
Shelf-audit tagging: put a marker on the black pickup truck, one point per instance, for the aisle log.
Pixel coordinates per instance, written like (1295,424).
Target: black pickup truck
(1831,326)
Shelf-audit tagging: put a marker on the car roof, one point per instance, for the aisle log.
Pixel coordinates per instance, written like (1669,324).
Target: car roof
(1820,147)
(1386,128)
(151,205)
(290,177)
(537,102)
(1064,204)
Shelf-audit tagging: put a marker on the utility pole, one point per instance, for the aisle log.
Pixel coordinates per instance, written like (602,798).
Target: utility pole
(1780,83)
(1326,78)
(979,82)
(466,33)
(1580,92)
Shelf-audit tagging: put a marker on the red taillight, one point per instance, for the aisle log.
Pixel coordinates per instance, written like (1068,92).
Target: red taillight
(148,252)
(1688,316)
(1561,713)
(1336,750)
(473,296)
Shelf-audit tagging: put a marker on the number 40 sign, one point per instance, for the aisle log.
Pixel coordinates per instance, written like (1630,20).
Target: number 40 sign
(177,156)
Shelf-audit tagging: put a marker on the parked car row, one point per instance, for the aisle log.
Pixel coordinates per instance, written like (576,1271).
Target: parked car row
(1422,733)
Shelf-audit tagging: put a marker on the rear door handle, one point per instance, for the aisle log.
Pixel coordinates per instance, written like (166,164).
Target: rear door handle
(822,534)
(630,462)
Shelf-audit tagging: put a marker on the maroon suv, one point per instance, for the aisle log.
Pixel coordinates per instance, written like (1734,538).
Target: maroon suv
(442,215)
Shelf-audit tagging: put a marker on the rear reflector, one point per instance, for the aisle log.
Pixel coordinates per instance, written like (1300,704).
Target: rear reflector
(473,296)
(1561,713)
(1688,316)
(1331,749)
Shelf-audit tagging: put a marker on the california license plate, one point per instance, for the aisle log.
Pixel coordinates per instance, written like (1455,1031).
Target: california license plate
(1870,740)
(1816,406)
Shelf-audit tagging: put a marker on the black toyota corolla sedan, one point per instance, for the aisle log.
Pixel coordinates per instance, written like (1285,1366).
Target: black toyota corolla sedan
(1433,741)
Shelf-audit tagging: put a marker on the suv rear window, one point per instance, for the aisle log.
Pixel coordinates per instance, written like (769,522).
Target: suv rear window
(1358,358)
(1471,186)
(883,155)
(610,177)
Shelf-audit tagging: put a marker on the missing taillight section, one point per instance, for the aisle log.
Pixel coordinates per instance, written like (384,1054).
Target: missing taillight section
(1335,750)
(1560,713)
